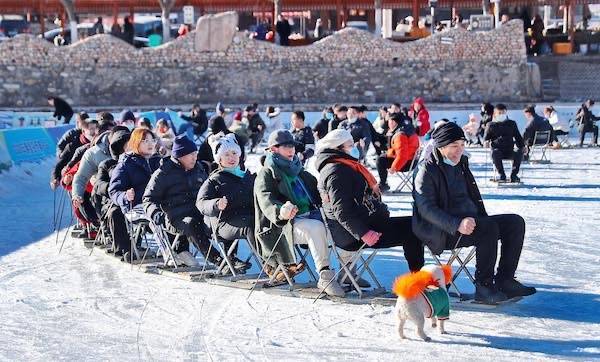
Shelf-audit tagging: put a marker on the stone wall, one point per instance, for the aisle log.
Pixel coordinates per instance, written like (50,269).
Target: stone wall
(349,66)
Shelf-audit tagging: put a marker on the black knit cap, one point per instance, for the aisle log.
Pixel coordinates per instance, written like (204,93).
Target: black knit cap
(447,133)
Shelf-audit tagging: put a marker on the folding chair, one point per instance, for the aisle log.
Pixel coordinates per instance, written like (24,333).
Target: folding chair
(358,260)
(462,266)
(165,246)
(541,142)
(405,175)
(138,226)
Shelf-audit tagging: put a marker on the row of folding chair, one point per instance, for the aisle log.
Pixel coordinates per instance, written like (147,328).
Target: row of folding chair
(405,175)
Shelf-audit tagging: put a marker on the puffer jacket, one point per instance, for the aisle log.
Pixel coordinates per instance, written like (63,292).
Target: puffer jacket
(350,204)
(404,145)
(173,190)
(431,222)
(503,135)
(89,163)
(133,171)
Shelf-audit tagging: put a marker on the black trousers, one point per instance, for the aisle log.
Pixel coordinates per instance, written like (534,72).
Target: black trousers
(255,139)
(510,230)
(115,220)
(498,155)
(583,129)
(383,164)
(87,209)
(195,231)
(397,231)
(556,133)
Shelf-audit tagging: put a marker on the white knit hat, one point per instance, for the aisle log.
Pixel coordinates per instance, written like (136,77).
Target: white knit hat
(334,139)
(221,143)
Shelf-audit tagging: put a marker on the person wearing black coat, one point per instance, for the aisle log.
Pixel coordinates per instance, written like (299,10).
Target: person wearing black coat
(359,128)
(585,119)
(304,137)
(197,120)
(71,135)
(111,215)
(227,196)
(535,123)
(355,212)
(322,126)
(503,134)
(128,30)
(171,193)
(448,212)
(283,29)
(256,127)
(340,115)
(487,115)
(62,109)
(88,132)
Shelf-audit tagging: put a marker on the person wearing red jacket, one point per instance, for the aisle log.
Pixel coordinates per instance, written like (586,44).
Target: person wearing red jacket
(420,117)
(404,143)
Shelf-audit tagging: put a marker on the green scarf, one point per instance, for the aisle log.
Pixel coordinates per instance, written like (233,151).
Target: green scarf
(294,188)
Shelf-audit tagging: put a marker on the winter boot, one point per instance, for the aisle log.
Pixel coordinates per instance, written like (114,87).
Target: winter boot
(515,179)
(512,288)
(384,187)
(240,265)
(487,293)
(502,178)
(328,284)
(186,258)
(128,257)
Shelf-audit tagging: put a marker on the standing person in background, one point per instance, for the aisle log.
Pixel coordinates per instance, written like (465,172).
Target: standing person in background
(256,127)
(537,35)
(284,30)
(322,126)
(273,114)
(128,30)
(420,117)
(303,135)
(487,115)
(115,29)
(339,116)
(62,109)
(98,27)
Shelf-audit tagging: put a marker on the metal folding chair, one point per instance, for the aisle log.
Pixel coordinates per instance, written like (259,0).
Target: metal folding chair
(358,261)
(455,257)
(165,247)
(541,142)
(405,175)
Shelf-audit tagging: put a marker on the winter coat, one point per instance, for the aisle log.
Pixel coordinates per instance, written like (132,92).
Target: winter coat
(173,190)
(78,155)
(241,132)
(557,123)
(239,194)
(89,164)
(166,139)
(359,129)
(72,171)
(504,135)
(585,118)
(254,122)
(133,171)
(471,128)
(321,128)
(421,119)
(537,124)
(431,222)
(335,123)
(62,109)
(350,205)
(268,199)
(66,156)
(305,142)
(199,120)
(69,137)
(100,194)
(404,145)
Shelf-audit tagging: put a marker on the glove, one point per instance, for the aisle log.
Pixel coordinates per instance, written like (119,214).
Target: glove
(158,218)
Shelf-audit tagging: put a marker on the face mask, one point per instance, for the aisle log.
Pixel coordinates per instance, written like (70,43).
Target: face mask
(236,170)
(352,120)
(354,152)
(449,162)
(501,117)
(329,115)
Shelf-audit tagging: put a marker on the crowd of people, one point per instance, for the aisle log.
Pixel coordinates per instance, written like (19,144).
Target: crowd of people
(193,181)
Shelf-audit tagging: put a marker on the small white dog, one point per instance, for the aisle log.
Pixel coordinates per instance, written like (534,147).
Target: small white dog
(423,295)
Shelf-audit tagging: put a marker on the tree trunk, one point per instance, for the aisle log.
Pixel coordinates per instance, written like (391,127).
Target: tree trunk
(70,8)
(166,6)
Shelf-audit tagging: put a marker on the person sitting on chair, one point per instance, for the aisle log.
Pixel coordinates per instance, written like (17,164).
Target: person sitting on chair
(226,197)
(131,175)
(502,134)
(352,202)
(535,124)
(404,143)
(286,203)
(448,213)
(169,199)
